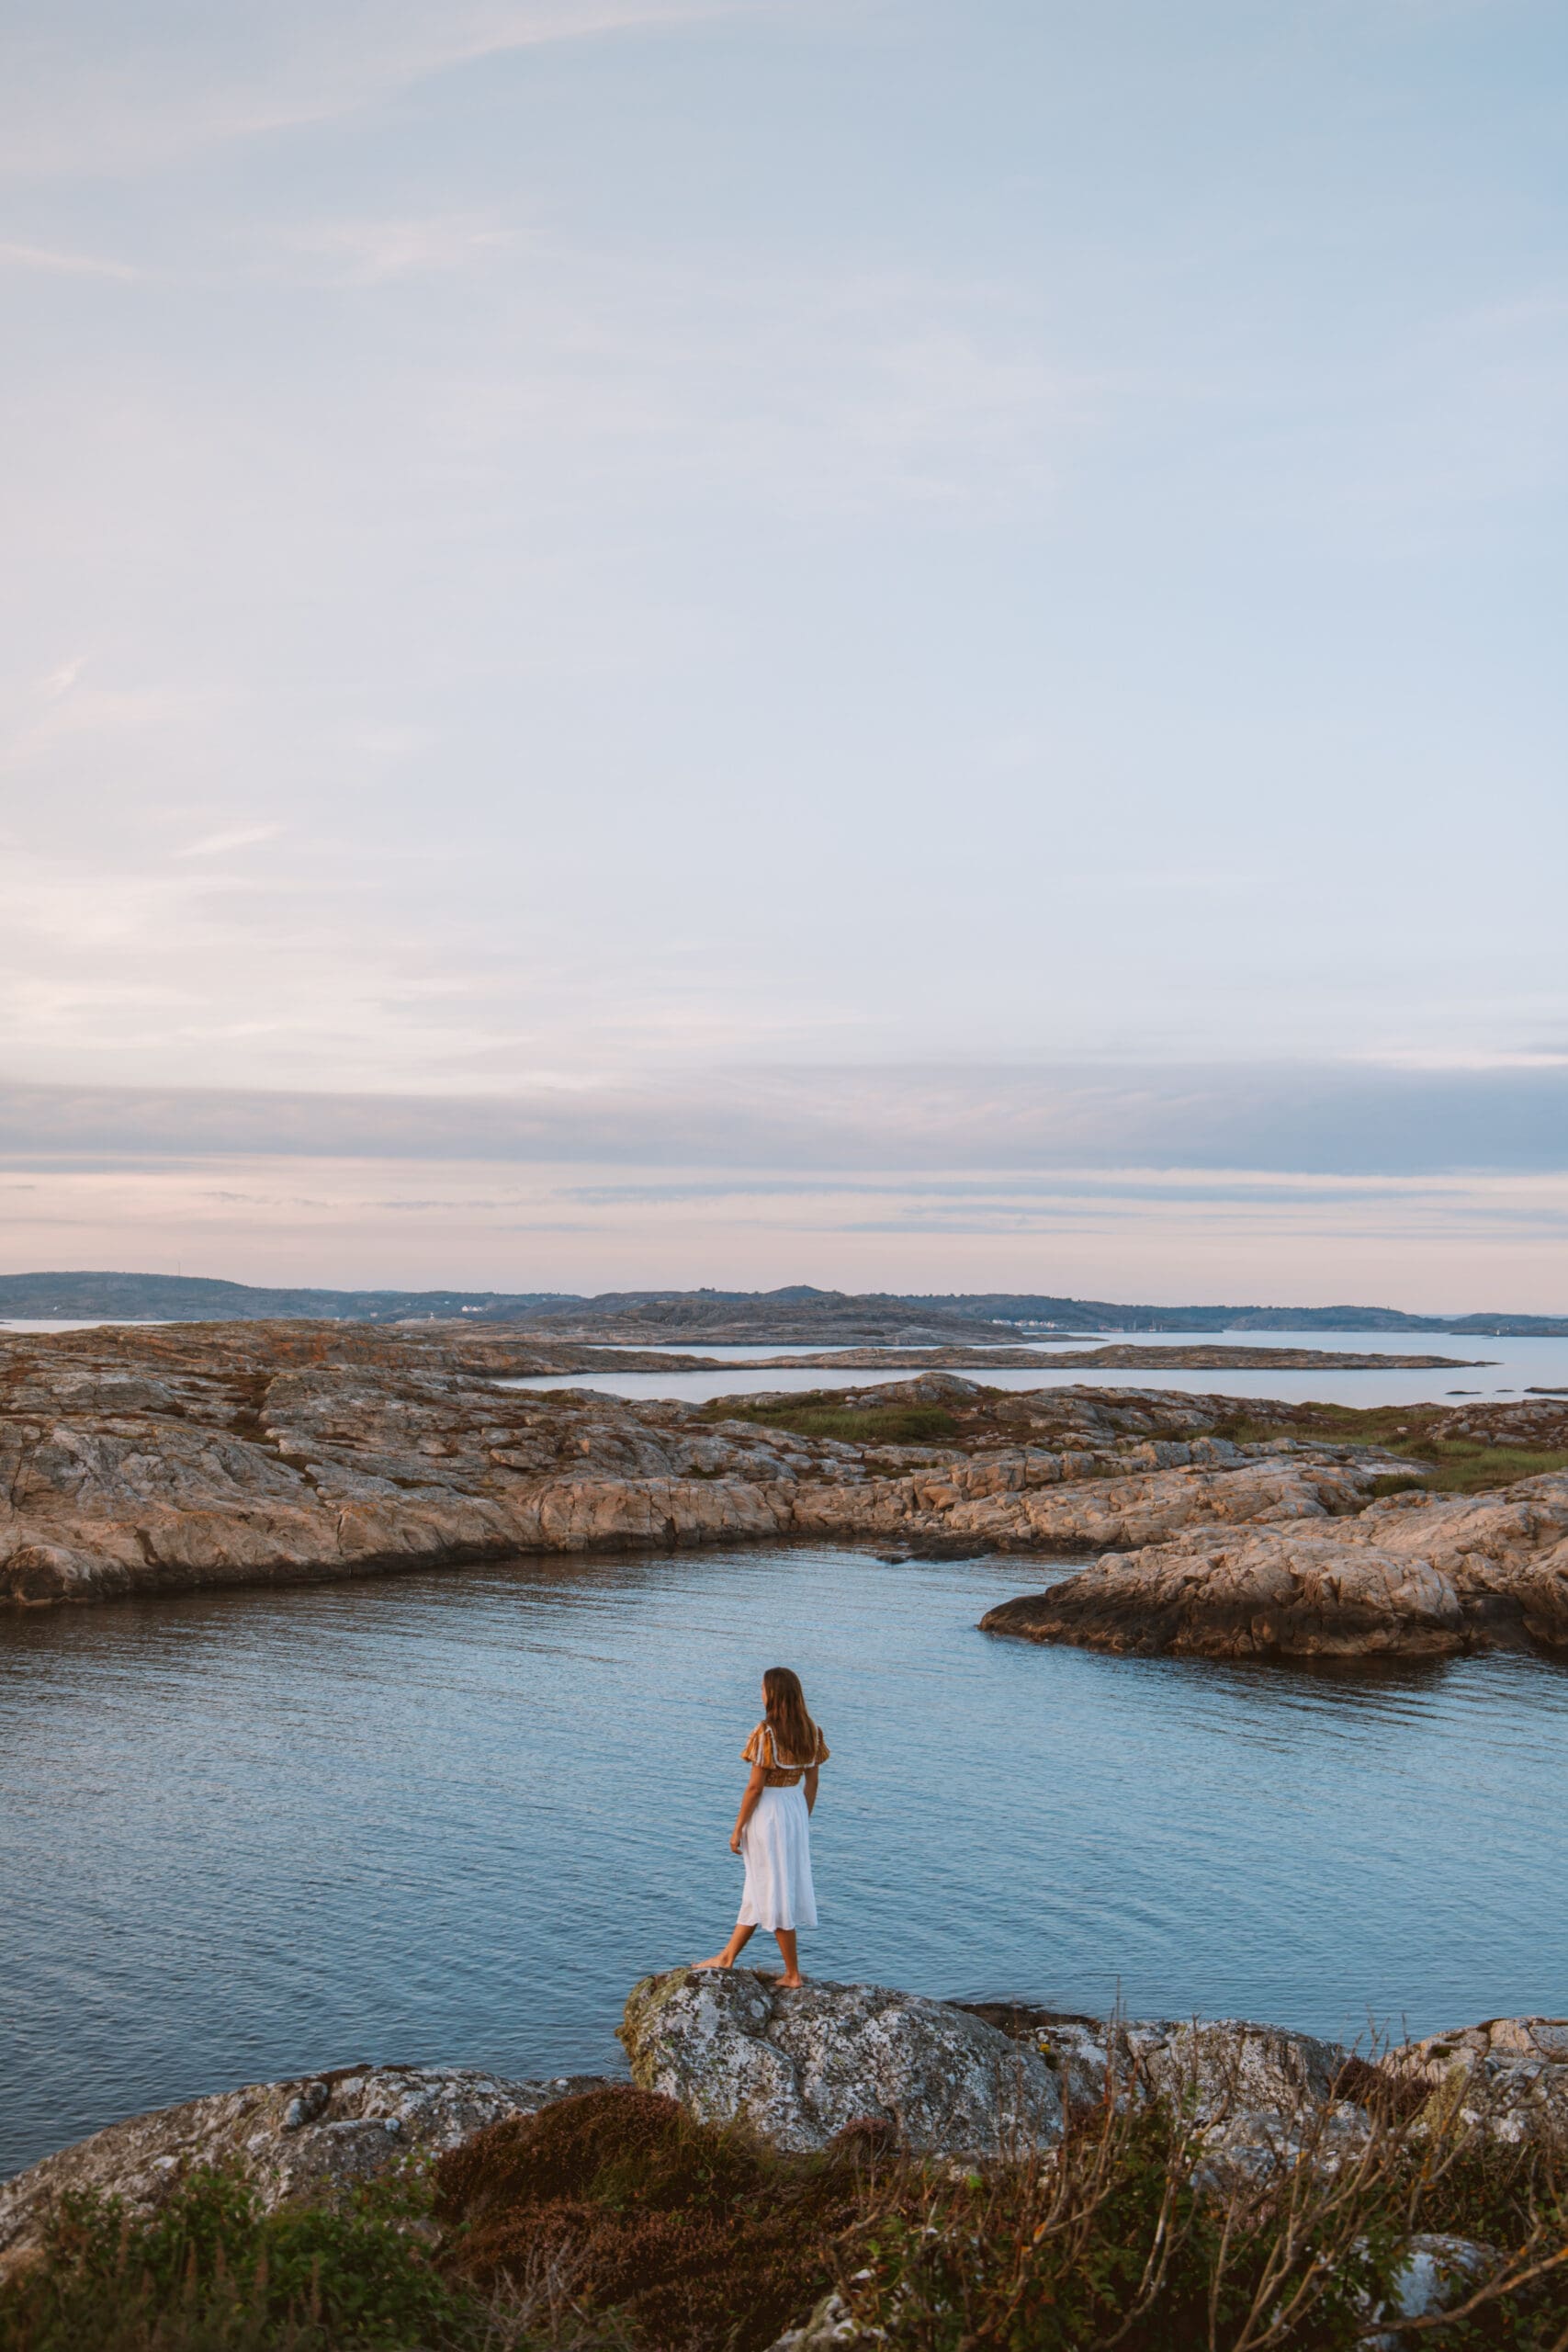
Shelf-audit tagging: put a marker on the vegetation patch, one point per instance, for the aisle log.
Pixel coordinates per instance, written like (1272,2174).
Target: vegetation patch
(1461,1467)
(813,1414)
(615,2223)
(211,2273)
(1132,2234)
(1441,1465)
(694,2235)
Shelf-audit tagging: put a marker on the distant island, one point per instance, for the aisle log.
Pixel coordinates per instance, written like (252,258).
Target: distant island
(797,1314)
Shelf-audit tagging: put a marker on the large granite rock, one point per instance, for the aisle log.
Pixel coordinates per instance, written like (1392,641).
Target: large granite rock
(798,2065)
(1414,1575)
(1256,2094)
(306,2141)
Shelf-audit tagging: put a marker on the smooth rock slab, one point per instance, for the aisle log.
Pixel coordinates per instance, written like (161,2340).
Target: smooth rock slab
(798,2065)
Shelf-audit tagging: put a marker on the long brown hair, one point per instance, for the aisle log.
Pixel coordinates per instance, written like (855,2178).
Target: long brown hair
(795,1733)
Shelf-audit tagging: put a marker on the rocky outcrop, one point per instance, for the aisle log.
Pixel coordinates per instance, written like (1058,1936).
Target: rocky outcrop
(800,2065)
(1509,2073)
(306,2141)
(1217,2067)
(1414,1576)
(1255,2093)
(211,1455)
(972,2081)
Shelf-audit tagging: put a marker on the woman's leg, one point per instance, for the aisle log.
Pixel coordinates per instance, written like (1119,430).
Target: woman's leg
(732,1950)
(784,1936)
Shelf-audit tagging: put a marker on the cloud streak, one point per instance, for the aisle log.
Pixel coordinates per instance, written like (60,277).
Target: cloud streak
(92,87)
(1301,1121)
(53,262)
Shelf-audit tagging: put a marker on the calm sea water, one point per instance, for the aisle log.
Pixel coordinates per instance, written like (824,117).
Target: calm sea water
(1514,1366)
(453,1816)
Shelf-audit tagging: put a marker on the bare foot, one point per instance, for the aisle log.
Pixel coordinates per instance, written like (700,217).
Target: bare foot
(718,1961)
(796,1979)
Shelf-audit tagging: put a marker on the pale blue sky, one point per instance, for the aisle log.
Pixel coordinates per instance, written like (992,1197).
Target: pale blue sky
(788,592)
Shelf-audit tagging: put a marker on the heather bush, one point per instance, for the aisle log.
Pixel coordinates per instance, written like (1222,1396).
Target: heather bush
(697,2236)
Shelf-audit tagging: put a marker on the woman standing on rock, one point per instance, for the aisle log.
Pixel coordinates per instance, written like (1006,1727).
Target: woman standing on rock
(772,1826)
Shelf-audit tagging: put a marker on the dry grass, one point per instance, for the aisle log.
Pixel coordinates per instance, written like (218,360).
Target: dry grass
(693,2237)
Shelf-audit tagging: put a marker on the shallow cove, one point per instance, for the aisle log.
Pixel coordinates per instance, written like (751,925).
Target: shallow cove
(452,1816)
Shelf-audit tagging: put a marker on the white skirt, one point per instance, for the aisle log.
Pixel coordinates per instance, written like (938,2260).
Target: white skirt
(776,1843)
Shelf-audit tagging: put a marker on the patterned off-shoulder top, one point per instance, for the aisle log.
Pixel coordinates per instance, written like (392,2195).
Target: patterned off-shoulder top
(761,1748)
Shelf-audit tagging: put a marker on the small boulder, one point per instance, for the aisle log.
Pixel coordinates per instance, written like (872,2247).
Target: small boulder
(829,2329)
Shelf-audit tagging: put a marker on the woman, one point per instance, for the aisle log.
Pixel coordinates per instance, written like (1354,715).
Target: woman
(771,1828)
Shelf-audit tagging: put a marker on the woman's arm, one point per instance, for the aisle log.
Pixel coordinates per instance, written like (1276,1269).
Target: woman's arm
(754,1788)
(811,1790)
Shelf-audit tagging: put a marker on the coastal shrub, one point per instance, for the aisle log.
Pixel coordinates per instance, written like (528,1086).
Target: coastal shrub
(698,2237)
(211,2272)
(1123,2236)
(1132,2235)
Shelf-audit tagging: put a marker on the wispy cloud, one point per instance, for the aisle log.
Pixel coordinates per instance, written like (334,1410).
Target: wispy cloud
(92,87)
(1321,1125)
(64,264)
(835,390)
(377,252)
(235,837)
(61,678)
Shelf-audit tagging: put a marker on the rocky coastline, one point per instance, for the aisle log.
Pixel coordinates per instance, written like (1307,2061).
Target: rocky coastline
(207,1455)
(213,1454)
(828,2068)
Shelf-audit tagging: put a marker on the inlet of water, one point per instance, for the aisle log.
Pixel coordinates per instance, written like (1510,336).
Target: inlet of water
(452,1816)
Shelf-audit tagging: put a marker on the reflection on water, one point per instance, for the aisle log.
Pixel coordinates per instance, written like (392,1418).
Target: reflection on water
(452,1816)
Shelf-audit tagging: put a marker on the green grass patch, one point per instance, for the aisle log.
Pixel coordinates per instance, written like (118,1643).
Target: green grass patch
(1460,1466)
(812,1415)
(1442,1465)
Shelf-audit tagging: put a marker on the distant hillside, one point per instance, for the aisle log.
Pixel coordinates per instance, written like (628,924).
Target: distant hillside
(797,1313)
(1101,1315)
(190,1298)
